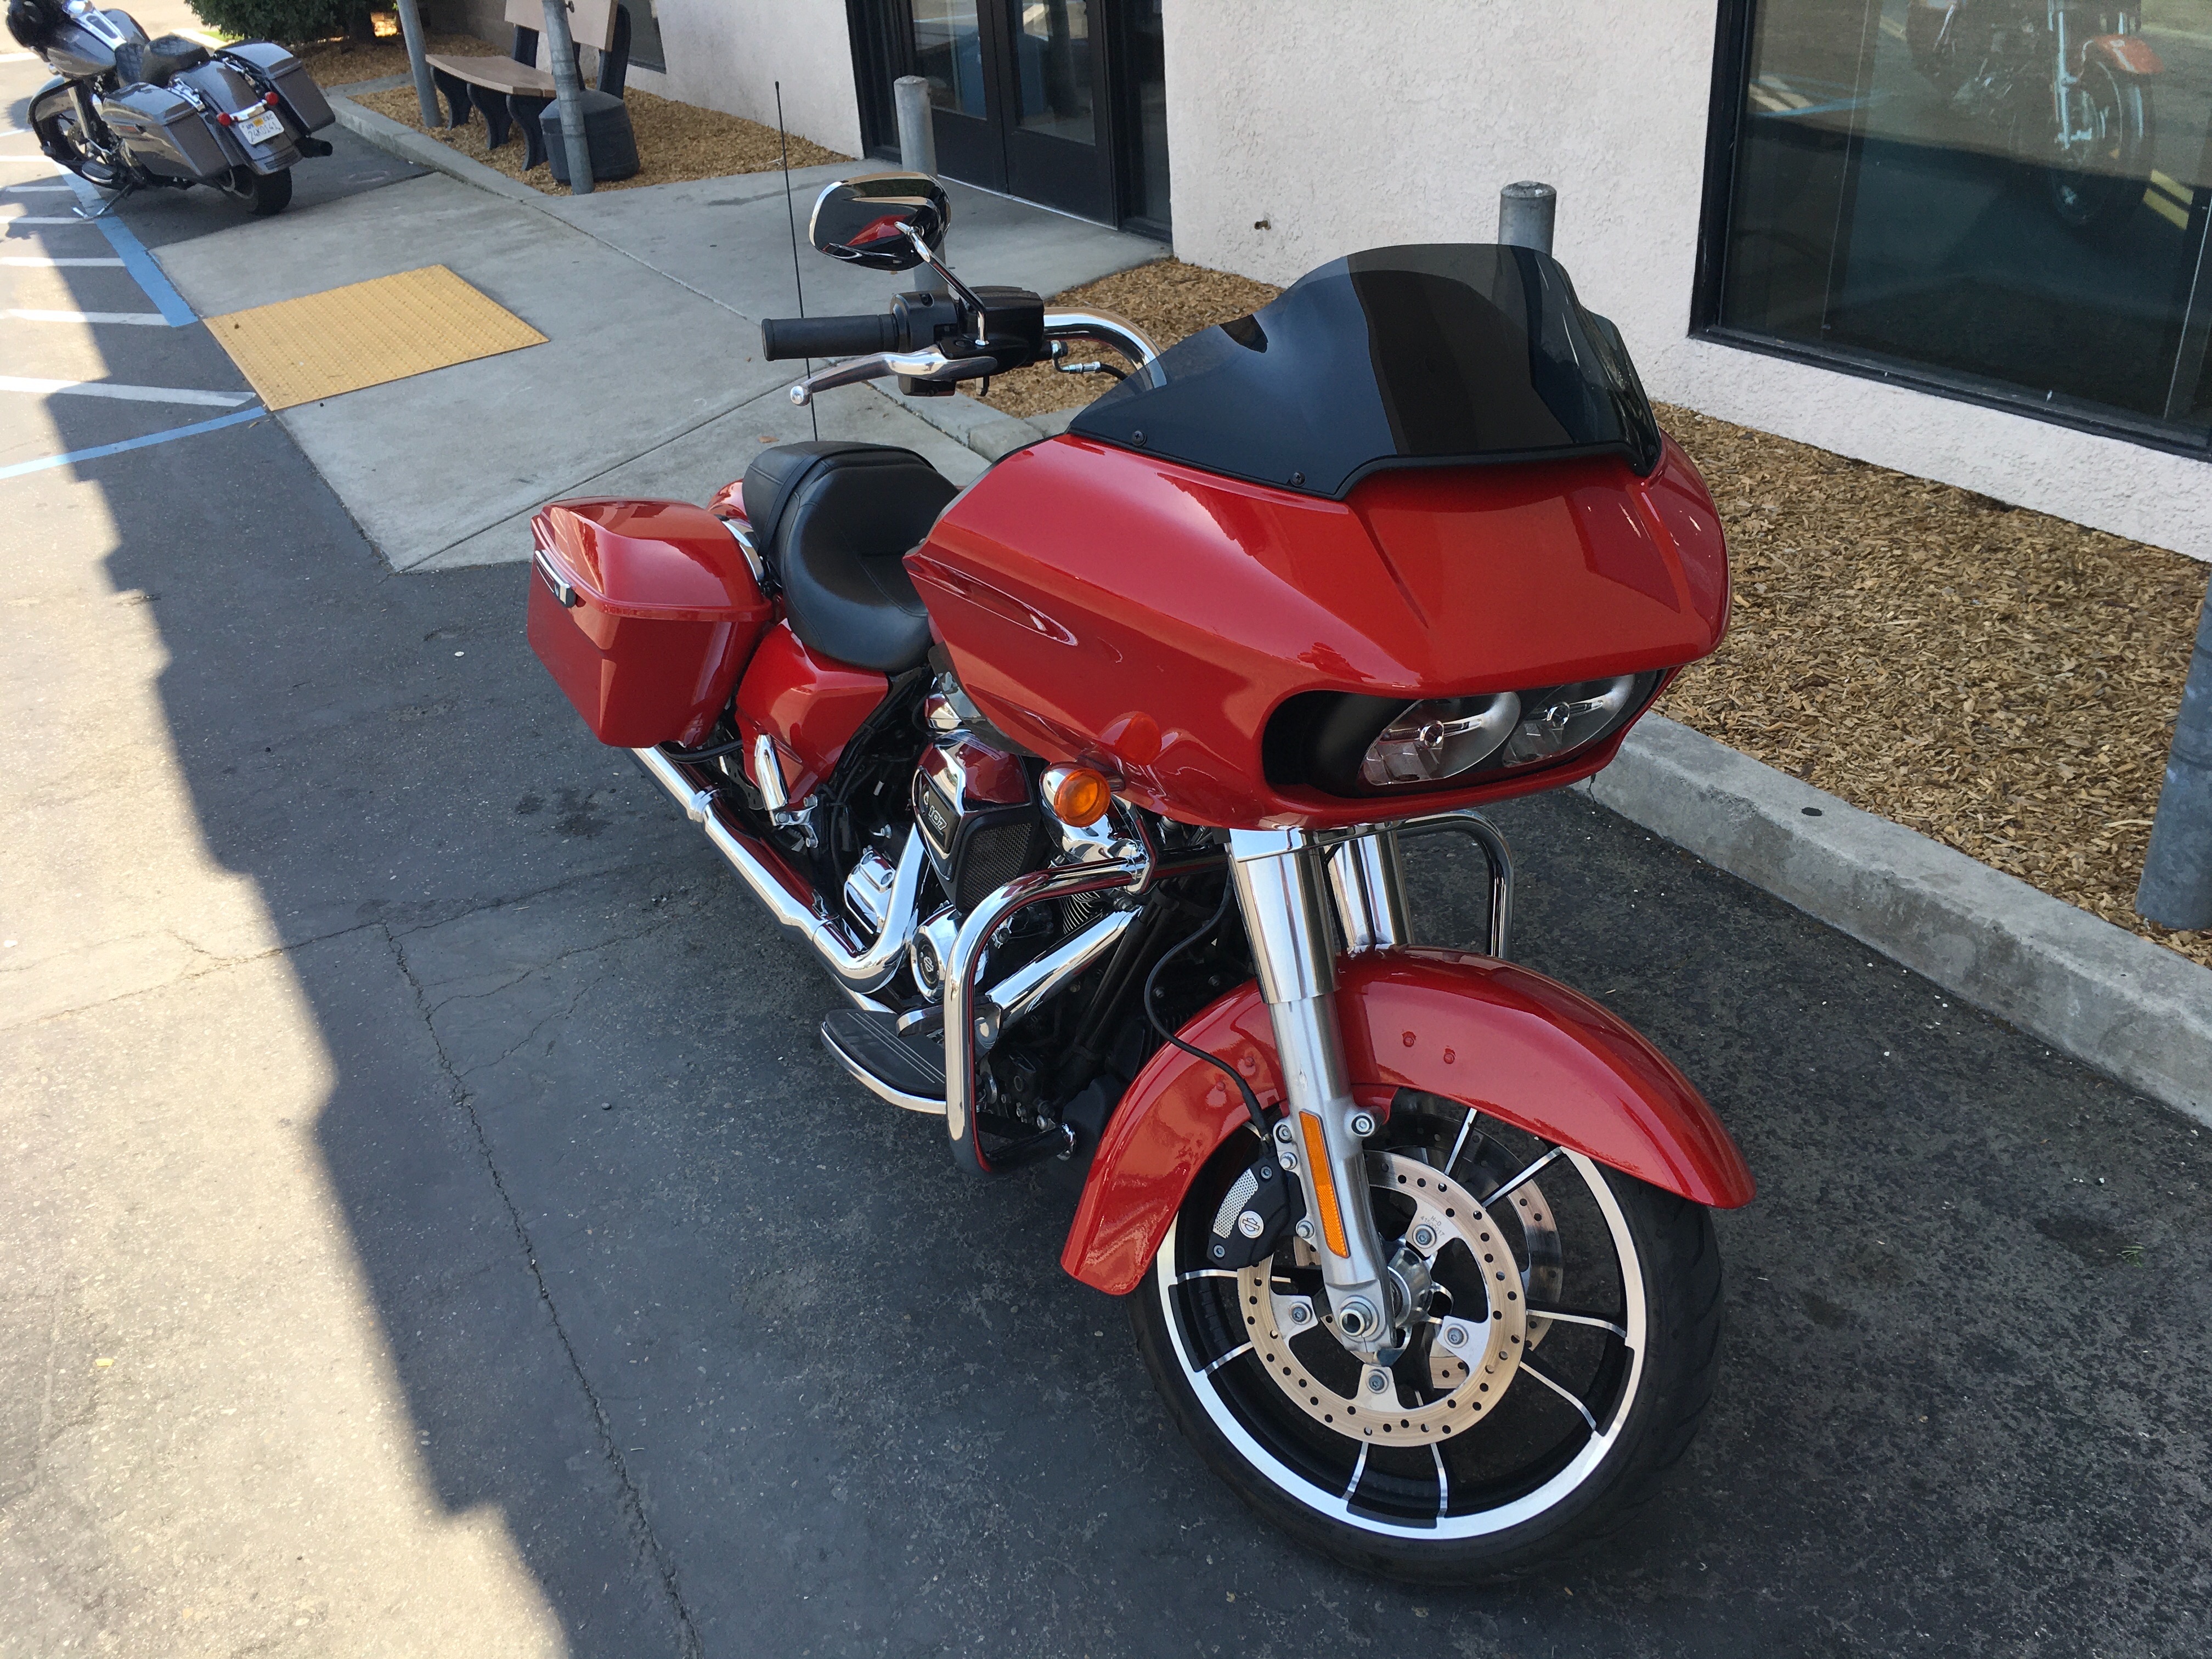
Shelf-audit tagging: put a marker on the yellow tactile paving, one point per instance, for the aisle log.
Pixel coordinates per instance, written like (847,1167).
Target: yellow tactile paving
(365,334)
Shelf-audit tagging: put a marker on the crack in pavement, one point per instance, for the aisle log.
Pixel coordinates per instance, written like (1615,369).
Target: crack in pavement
(530,1035)
(632,1501)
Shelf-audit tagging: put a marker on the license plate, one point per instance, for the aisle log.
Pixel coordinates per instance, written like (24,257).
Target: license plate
(260,126)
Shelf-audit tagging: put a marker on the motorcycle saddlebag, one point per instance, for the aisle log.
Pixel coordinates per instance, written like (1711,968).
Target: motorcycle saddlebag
(303,99)
(165,133)
(225,86)
(643,611)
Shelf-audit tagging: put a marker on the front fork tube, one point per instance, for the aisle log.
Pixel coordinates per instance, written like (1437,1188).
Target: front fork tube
(1283,890)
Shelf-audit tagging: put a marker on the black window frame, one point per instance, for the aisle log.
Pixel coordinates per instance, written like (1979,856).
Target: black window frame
(1728,111)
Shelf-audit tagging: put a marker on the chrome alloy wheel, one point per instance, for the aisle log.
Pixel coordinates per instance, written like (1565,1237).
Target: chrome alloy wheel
(1510,1394)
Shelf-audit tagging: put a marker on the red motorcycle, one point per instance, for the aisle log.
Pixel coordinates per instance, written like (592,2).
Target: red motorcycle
(1088,784)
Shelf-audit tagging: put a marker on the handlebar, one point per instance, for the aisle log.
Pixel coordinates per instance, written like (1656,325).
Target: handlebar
(875,347)
(829,337)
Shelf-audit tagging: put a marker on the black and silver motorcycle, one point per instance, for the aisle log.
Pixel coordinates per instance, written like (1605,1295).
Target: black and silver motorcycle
(128,114)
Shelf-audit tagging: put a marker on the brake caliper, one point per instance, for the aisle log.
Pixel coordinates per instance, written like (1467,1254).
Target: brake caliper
(1262,1204)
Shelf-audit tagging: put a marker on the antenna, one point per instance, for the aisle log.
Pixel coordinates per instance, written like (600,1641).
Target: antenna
(791,214)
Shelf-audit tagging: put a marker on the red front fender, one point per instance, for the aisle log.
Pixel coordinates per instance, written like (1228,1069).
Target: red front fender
(2130,54)
(1519,1046)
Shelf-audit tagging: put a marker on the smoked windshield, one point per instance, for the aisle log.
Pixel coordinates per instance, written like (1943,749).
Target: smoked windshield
(1425,355)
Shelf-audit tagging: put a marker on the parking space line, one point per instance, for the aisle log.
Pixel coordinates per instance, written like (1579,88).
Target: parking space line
(135,318)
(136,394)
(93,454)
(42,260)
(141,265)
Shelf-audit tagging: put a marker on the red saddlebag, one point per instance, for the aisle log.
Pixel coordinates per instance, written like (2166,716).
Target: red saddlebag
(644,611)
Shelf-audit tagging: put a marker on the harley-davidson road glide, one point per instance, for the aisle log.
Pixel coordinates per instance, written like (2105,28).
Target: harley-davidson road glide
(1088,783)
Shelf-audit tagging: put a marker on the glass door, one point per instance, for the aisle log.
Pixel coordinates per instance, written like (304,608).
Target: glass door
(1061,102)
(1055,147)
(954,52)
(1017,87)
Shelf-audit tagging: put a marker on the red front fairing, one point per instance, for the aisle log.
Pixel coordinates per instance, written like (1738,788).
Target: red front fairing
(1101,604)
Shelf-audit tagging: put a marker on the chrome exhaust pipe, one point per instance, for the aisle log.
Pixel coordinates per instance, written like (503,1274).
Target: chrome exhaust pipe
(859,968)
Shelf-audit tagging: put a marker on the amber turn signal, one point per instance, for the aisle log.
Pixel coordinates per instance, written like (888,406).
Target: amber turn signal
(1079,797)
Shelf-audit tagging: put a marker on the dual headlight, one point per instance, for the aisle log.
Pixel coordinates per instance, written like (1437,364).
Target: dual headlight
(1433,742)
(1358,746)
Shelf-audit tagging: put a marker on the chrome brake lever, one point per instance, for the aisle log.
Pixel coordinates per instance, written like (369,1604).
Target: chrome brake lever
(930,365)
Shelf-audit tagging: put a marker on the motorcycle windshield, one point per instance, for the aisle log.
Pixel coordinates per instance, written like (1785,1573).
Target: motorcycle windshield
(1439,354)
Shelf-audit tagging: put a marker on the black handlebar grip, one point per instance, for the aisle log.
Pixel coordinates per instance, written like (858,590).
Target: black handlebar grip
(828,336)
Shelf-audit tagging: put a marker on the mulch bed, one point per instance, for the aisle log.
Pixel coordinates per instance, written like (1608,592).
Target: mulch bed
(674,141)
(343,63)
(1996,679)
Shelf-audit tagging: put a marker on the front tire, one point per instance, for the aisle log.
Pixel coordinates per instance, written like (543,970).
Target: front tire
(2101,183)
(1458,1479)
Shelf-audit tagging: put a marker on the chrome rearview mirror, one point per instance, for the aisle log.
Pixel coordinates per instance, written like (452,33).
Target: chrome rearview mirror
(871,220)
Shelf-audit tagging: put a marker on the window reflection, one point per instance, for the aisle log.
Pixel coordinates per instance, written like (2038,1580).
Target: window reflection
(948,50)
(1052,47)
(2010,193)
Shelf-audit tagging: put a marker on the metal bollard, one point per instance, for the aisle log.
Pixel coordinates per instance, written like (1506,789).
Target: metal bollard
(917,133)
(569,92)
(2176,889)
(1526,211)
(426,95)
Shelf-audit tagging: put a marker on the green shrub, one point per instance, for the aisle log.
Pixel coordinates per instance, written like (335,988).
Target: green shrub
(283,20)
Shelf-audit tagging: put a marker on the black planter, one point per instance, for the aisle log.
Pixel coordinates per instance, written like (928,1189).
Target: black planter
(607,132)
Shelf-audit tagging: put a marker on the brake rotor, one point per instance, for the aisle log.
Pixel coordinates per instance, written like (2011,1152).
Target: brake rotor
(1465,1358)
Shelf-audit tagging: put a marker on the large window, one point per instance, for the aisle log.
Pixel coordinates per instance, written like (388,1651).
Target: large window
(2004,199)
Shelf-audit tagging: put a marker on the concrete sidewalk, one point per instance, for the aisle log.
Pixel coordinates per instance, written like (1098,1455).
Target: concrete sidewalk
(652,380)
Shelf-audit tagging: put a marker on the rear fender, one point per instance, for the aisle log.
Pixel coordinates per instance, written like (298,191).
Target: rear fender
(1505,1040)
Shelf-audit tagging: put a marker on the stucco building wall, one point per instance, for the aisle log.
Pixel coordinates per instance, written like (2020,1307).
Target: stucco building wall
(1301,132)
(728,55)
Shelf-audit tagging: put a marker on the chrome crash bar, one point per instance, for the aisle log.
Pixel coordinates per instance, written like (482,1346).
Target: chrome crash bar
(973,1022)
(1367,876)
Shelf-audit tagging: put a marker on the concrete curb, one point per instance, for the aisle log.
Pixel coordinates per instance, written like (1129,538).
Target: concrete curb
(410,145)
(2105,996)
(969,421)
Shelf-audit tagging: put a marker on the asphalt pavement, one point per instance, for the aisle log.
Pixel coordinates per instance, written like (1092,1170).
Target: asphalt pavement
(432,1225)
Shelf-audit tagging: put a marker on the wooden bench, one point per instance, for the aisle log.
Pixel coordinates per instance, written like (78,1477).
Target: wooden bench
(514,88)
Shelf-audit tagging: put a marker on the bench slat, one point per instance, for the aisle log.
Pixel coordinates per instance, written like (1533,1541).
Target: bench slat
(494,74)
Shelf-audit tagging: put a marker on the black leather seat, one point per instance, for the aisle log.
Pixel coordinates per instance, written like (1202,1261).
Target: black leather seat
(835,520)
(155,62)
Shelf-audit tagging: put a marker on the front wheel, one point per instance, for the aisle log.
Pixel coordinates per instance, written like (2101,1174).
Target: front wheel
(2105,156)
(1563,1357)
(62,138)
(264,192)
